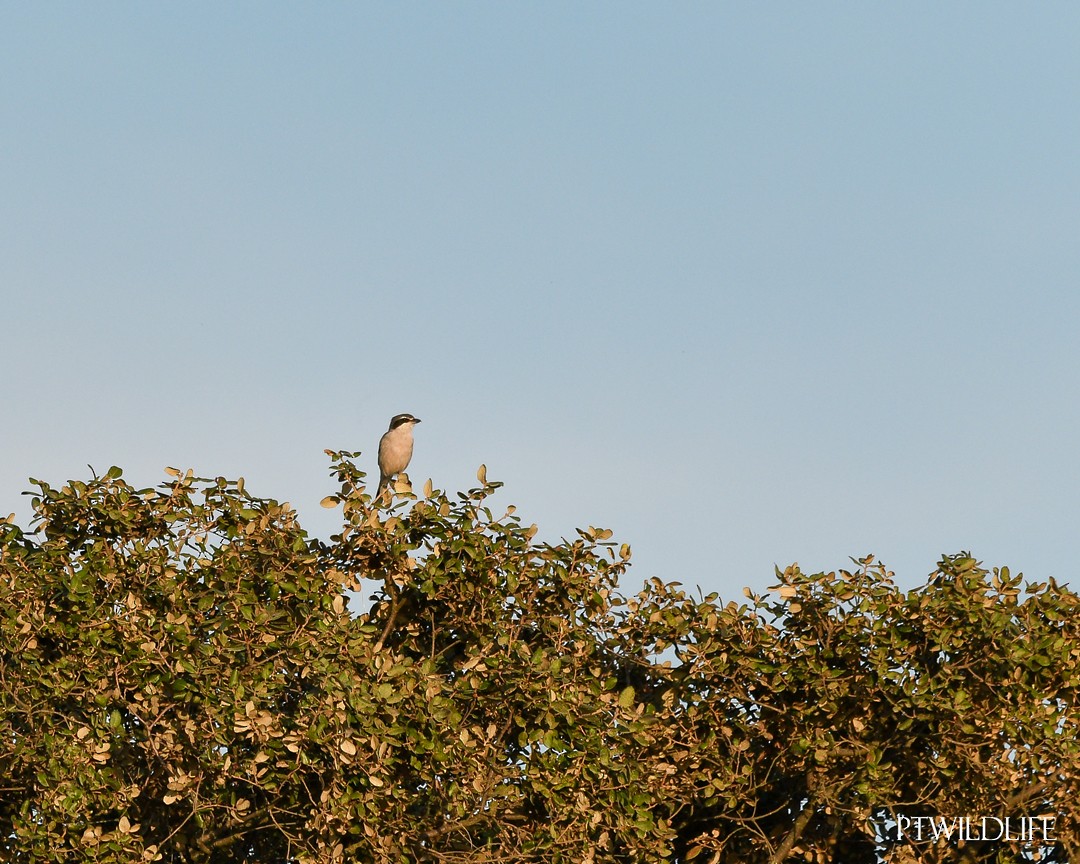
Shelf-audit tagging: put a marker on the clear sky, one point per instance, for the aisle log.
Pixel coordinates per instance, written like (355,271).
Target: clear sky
(746,283)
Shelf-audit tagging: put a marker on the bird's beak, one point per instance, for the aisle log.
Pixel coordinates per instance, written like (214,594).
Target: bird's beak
(415,419)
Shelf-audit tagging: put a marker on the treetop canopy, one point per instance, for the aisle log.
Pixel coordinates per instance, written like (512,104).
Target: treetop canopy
(182,680)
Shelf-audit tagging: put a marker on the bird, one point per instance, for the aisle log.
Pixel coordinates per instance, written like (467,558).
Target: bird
(395,448)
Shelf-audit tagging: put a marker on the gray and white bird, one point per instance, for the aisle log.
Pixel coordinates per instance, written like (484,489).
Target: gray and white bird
(395,448)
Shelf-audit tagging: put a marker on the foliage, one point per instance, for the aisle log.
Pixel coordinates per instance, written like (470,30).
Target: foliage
(181,680)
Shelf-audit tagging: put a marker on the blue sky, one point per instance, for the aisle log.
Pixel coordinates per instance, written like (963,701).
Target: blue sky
(747,283)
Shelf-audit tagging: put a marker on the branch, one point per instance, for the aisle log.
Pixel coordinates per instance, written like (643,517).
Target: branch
(797,828)
(395,607)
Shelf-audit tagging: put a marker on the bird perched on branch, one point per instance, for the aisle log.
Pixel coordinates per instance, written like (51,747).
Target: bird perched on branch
(395,448)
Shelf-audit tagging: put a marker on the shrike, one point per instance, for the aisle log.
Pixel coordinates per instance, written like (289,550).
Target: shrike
(395,448)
